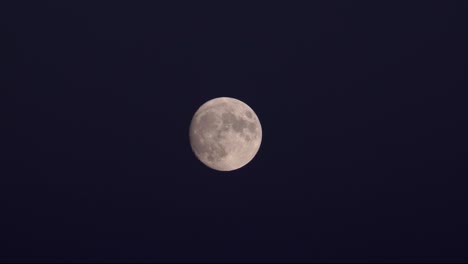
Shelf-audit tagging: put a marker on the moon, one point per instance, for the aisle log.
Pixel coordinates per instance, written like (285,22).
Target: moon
(225,134)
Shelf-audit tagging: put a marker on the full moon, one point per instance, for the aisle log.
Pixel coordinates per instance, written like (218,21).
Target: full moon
(225,134)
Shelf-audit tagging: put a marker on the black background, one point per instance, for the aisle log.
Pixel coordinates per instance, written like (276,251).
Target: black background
(362,107)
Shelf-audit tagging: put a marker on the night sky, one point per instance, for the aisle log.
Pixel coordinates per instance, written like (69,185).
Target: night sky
(362,105)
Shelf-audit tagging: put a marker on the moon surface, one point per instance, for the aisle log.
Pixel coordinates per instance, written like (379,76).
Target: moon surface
(225,134)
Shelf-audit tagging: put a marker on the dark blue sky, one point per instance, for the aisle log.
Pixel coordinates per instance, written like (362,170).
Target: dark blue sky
(361,103)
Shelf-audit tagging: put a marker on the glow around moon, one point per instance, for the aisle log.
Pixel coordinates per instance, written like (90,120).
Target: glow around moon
(225,134)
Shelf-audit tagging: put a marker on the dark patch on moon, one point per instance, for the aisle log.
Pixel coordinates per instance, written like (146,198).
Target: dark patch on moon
(207,121)
(237,124)
(252,127)
(215,152)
